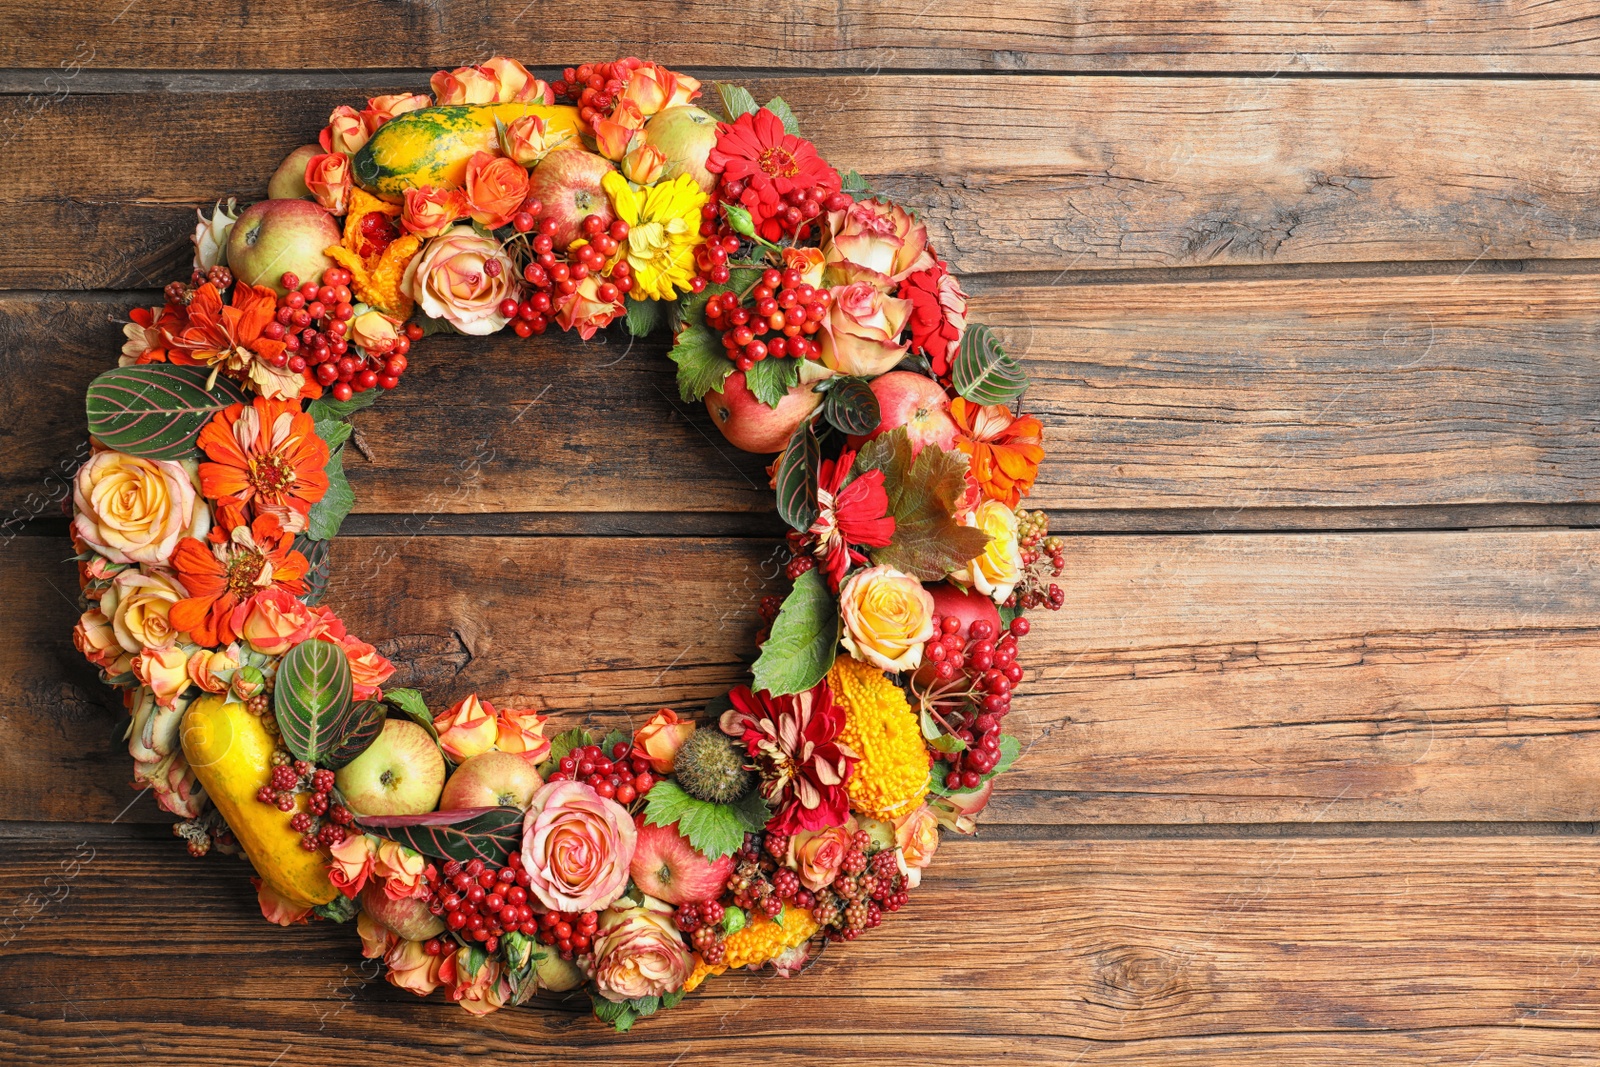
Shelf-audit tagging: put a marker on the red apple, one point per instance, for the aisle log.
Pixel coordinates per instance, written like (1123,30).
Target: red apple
(279,236)
(668,868)
(751,425)
(288,182)
(567,183)
(906,398)
(400,773)
(491,780)
(685,135)
(408,917)
(968,606)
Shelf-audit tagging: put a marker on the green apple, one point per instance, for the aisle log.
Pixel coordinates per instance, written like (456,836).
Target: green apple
(556,974)
(491,780)
(685,135)
(288,182)
(400,773)
(276,237)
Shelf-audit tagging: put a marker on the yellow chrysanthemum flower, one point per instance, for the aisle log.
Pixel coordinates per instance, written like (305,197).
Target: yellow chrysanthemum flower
(663,229)
(880,727)
(760,940)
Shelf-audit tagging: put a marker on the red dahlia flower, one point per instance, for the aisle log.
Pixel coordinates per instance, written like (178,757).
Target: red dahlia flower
(765,165)
(793,740)
(856,514)
(938,314)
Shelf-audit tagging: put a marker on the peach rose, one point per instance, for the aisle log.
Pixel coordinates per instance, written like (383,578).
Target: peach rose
(412,969)
(328,180)
(495,188)
(467,729)
(638,952)
(513,83)
(461,278)
(153,731)
(613,135)
(326,625)
(96,638)
(464,85)
(808,261)
(479,992)
(997,571)
(376,938)
(522,732)
(428,212)
(817,855)
(917,837)
(369,668)
(585,312)
(659,740)
(165,671)
(644,165)
(374,332)
(652,88)
(882,239)
(137,604)
(277,909)
(402,870)
(273,621)
(576,847)
(888,617)
(345,132)
(212,669)
(860,334)
(134,510)
(380,109)
(528,140)
(351,864)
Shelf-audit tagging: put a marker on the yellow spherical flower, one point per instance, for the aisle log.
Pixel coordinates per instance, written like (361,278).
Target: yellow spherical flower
(880,727)
(663,230)
(760,940)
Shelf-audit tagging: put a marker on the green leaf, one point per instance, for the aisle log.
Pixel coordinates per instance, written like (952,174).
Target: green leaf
(645,1006)
(409,703)
(619,1015)
(714,830)
(325,407)
(703,364)
(615,737)
(804,639)
(487,834)
(856,186)
(341,909)
(851,406)
(983,373)
(318,570)
(673,999)
(644,316)
(771,379)
(736,100)
(312,699)
(752,811)
(156,410)
(366,722)
(560,745)
(327,514)
(334,432)
(472,960)
(1010,750)
(791,125)
(797,478)
(923,493)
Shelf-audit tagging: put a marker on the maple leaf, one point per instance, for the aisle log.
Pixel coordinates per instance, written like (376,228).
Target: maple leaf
(923,493)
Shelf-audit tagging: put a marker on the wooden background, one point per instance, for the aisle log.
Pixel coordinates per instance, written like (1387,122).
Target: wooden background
(1308,292)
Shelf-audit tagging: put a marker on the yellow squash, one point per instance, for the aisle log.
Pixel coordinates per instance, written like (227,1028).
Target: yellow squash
(431,146)
(231,753)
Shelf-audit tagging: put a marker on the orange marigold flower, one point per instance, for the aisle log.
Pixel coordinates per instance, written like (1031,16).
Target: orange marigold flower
(266,457)
(1004,448)
(233,564)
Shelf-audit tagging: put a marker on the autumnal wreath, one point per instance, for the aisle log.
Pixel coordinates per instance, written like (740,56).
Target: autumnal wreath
(474,852)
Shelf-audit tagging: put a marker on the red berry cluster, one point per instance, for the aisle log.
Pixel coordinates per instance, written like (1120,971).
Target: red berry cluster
(711,255)
(315,831)
(552,279)
(784,313)
(797,208)
(312,320)
(595,87)
(703,923)
(966,683)
(569,932)
(617,777)
(179,293)
(483,903)
(1043,558)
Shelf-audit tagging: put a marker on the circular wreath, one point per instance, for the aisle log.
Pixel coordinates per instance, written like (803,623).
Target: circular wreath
(475,852)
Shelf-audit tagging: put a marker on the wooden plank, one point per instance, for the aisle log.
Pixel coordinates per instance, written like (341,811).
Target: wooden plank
(1322,952)
(1223,398)
(1194,679)
(1012,173)
(1431,36)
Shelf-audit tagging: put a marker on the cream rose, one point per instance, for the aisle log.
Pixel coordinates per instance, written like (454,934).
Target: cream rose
(137,604)
(165,671)
(917,837)
(134,510)
(639,953)
(883,239)
(999,568)
(888,617)
(860,334)
(461,278)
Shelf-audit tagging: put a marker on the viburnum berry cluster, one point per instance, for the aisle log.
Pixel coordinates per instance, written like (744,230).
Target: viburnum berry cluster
(615,776)
(782,315)
(482,903)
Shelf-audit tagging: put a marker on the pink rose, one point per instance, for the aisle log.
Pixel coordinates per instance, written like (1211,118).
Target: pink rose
(522,732)
(659,740)
(374,332)
(817,855)
(644,165)
(881,239)
(328,180)
(428,212)
(461,278)
(576,847)
(614,134)
(212,669)
(276,909)
(862,330)
(917,836)
(638,952)
(808,261)
(95,638)
(164,670)
(412,969)
(326,625)
(352,864)
(652,88)
(467,729)
(369,669)
(345,132)
(380,109)
(273,621)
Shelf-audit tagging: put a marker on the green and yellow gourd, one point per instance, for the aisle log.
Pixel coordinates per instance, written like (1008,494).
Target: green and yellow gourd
(230,752)
(431,146)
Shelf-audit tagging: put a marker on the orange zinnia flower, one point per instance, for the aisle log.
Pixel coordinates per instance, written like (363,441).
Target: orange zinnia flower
(233,564)
(267,457)
(231,338)
(1004,448)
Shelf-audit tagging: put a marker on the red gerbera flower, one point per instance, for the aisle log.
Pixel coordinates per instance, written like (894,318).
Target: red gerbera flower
(232,565)
(856,514)
(767,170)
(794,742)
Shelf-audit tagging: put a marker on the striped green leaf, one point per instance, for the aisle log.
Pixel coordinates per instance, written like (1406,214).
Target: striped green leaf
(467,834)
(312,700)
(983,373)
(366,722)
(156,410)
(797,478)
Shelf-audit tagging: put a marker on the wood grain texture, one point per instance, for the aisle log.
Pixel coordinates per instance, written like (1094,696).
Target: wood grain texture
(1432,36)
(1221,679)
(1110,952)
(1222,397)
(1012,173)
